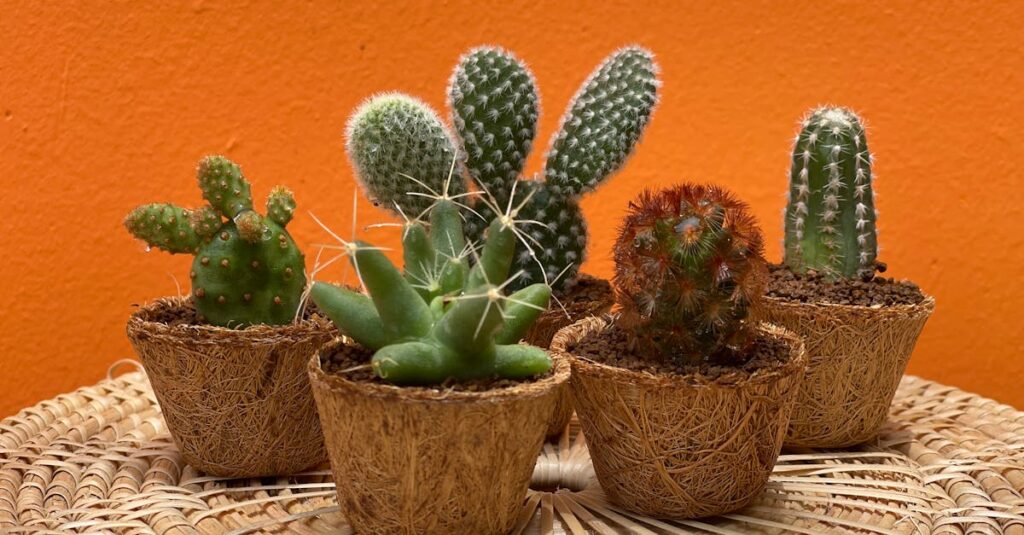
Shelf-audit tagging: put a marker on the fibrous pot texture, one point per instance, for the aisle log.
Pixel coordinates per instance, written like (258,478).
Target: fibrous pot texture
(856,358)
(426,460)
(236,401)
(682,446)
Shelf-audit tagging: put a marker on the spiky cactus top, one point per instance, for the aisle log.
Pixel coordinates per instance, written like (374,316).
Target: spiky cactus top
(247,270)
(495,106)
(830,217)
(689,272)
(440,320)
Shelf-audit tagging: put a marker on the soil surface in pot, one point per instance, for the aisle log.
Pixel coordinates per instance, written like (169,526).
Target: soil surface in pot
(611,346)
(579,298)
(352,362)
(815,288)
(173,316)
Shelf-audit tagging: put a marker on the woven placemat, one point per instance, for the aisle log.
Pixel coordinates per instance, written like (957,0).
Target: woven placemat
(99,460)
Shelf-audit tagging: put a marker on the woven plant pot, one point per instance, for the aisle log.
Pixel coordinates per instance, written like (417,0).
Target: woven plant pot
(682,446)
(578,305)
(418,460)
(237,402)
(856,358)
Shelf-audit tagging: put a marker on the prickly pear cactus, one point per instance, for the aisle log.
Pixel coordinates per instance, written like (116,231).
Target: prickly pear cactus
(690,272)
(246,270)
(830,216)
(494,106)
(440,321)
(402,153)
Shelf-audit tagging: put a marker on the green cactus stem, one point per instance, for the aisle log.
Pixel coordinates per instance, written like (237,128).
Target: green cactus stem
(426,331)
(689,272)
(246,270)
(830,216)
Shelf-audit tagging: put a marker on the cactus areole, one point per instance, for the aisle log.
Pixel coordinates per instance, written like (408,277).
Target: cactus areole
(399,145)
(690,272)
(830,216)
(440,320)
(246,270)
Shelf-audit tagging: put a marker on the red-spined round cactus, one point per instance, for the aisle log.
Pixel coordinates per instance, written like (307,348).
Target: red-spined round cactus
(689,272)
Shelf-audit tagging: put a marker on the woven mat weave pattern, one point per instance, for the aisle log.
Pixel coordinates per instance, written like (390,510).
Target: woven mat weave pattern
(99,460)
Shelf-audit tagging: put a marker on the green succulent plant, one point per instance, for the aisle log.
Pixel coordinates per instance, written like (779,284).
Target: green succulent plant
(440,320)
(399,145)
(689,272)
(246,270)
(830,216)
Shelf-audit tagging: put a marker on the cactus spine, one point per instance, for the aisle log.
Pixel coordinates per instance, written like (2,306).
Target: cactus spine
(690,272)
(440,321)
(246,270)
(830,216)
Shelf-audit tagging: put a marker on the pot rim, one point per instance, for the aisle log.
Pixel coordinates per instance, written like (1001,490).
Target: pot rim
(411,394)
(138,323)
(796,363)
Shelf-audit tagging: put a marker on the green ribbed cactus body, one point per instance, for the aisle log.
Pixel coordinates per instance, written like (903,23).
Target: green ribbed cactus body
(247,269)
(830,216)
(689,272)
(422,334)
(392,137)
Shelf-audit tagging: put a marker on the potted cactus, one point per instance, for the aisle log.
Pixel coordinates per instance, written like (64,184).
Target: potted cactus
(433,414)
(227,364)
(399,145)
(684,398)
(860,328)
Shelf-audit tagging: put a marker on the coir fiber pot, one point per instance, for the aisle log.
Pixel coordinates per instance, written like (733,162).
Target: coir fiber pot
(856,358)
(590,296)
(237,401)
(420,460)
(682,446)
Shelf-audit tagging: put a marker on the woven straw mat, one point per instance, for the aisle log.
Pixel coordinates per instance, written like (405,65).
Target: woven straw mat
(99,460)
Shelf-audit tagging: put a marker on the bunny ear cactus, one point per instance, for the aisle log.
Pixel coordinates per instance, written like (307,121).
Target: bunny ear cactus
(246,270)
(830,216)
(690,272)
(440,321)
(494,106)
(402,153)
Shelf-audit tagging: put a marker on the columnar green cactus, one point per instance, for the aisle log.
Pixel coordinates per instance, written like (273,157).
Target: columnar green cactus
(492,94)
(440,321)
(247,270)
(689,272)
(494,105)
(830,217)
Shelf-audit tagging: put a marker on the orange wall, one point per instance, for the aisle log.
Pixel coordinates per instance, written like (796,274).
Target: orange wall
(107,105)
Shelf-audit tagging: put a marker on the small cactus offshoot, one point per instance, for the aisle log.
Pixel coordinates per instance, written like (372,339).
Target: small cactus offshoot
(440,320)
(689,272)
(246,270)
(495,106)
(830,216)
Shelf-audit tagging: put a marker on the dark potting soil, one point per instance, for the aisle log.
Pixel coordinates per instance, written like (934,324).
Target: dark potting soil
(611,346)
(173,316)
(352,362)
(580,297)
(815,288)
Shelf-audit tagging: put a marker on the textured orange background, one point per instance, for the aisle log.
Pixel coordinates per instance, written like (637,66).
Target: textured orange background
(107,105)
